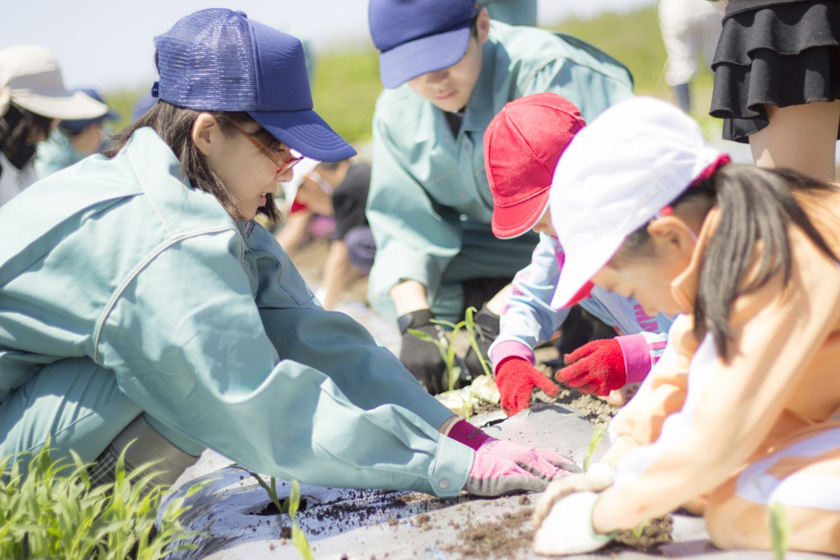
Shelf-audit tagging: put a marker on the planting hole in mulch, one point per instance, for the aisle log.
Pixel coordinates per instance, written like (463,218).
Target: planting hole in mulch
(270,509)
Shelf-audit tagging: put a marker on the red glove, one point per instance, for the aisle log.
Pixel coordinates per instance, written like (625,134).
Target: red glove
(516,378)
(596,367)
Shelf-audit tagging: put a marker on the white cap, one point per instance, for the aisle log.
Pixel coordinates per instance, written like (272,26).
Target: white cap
(30,77)
(616,175)
(299,173)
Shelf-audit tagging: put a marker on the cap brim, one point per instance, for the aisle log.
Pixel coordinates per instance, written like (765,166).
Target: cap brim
(578,269)
(305,132)
(427,54)
(518,219)
(61,105)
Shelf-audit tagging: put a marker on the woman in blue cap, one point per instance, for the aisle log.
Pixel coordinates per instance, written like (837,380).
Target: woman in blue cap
(139,299)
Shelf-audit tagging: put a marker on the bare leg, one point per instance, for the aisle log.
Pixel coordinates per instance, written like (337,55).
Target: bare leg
(293,232)
(338,273)
(800,137)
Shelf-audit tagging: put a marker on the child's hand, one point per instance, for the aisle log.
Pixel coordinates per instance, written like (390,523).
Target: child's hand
(516,378)
(599,477)
(601,365)
(563,518)
(568,528)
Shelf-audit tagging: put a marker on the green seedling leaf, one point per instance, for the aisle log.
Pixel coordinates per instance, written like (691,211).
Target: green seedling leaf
(597,436)
(779,531)
(640,530)
(301,544)
(294,499)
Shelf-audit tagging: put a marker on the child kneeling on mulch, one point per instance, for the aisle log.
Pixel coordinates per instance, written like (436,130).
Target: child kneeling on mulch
(741,414)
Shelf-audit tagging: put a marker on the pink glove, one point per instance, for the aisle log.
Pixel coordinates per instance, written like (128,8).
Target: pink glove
(603,365)
(516,379)
(501,467)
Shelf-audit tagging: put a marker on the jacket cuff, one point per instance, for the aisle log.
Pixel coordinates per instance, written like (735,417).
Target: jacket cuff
(510,349)
(636,353)
(451,468)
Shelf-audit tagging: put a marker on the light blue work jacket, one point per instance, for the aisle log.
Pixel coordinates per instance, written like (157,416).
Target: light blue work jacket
(209,328)
(426,182)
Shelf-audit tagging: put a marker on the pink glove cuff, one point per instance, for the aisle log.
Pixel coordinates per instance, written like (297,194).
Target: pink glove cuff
(636,357)
(510,349)
(469,435)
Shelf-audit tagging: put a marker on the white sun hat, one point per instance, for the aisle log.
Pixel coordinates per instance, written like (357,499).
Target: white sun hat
(616,175)
(30,77)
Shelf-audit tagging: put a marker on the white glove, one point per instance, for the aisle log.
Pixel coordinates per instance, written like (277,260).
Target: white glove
(599,477)
(568,527)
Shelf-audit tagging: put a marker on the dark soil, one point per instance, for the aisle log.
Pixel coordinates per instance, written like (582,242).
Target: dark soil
(510,537)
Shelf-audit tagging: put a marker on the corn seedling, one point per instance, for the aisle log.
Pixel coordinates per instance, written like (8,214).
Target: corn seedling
(270,489)
(640,530)
(446,349)
(289,506)
(446,344)
(597,436)
(779,531)
(298,536)
(52,511)
(471,330)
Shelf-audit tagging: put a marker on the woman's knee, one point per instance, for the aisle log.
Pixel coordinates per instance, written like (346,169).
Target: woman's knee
(75,402)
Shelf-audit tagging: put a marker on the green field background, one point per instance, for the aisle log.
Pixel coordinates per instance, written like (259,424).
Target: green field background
(346,82)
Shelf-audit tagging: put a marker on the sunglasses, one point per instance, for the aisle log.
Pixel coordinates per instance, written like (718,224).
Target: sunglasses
(282,165)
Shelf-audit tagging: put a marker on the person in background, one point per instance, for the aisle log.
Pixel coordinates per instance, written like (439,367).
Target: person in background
(72,141)
(32,101)
(512,12)
(690,28)
(448,70)
(739,417)
(142,301)
(309,210)
(522,145)
(776,82)
(352,248)
(142,105)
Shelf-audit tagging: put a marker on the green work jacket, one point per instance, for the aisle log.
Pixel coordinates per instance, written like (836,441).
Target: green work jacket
(209,328)
(426,182)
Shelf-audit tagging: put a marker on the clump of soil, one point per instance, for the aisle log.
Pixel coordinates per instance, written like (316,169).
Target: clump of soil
(591,407)
(656,532)
(510,537)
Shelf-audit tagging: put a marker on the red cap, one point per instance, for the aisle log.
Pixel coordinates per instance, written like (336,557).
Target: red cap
(521,147)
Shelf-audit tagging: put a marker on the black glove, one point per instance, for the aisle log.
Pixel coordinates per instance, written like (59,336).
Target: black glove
(486,330)
(420,357)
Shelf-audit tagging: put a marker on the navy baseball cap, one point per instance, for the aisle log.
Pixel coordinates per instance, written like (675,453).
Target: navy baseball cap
(219,60)
(75,126)
(415,37)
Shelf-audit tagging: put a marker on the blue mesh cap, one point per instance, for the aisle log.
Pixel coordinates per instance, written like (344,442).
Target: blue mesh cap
(219,60)
(415,37)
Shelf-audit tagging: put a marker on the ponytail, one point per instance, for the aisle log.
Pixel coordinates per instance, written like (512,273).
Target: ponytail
(756,206)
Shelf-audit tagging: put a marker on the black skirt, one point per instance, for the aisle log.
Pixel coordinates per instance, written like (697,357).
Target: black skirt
(784,54)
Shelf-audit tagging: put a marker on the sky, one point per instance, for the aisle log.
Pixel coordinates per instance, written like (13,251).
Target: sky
(107,45)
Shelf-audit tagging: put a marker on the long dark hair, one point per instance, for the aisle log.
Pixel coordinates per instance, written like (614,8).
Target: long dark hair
(174,126)
(18,128)
(756,205)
